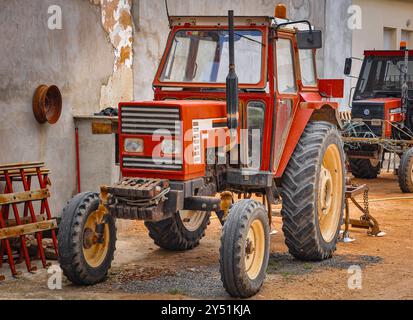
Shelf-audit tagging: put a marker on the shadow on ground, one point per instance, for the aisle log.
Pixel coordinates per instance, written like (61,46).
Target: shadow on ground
(286,265)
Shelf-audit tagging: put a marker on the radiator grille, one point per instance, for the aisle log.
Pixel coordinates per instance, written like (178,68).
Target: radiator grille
(368,112)
(151,120)
(147,120)
(152,164)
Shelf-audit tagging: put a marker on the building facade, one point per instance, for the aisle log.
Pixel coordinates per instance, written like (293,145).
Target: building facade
(383,25)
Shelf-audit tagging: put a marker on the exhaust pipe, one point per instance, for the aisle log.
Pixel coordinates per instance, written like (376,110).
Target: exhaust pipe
(405,87)
(232,82)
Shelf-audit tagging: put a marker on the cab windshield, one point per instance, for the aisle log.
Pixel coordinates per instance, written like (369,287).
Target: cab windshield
(383,77)
(203,57)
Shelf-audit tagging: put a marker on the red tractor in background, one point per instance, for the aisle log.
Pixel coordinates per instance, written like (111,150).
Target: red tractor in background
(382,115)
(269,131)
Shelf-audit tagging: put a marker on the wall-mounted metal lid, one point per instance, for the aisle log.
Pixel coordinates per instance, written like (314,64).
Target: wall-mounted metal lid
(47,104)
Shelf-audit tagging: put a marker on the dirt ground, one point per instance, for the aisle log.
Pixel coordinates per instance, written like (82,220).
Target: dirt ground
(143,271)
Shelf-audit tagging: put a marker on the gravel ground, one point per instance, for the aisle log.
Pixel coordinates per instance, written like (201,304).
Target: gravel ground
(204,282)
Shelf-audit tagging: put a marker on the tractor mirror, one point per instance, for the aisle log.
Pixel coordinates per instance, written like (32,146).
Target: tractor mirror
(347,66)
(309,39)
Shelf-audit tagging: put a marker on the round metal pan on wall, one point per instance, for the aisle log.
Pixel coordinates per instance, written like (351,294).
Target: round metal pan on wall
(47,104)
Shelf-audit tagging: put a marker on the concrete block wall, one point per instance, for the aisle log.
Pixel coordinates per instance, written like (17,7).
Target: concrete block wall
(77,58)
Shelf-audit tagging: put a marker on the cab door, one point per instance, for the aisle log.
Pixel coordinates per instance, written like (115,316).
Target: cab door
(286,92)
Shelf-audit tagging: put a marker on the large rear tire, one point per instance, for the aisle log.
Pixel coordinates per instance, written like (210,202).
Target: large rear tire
(313,190)
(406,172)
(83,259)
(245,246)
(364,169)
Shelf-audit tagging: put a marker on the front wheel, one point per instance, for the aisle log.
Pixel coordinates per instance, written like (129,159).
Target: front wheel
(313,190)
(245,246)
(406,172)
(86,238)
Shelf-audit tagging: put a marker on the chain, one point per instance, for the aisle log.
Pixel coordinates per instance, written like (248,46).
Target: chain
(366,202)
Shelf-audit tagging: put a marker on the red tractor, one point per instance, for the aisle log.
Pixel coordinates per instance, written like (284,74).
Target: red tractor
(382,115)
(264,134)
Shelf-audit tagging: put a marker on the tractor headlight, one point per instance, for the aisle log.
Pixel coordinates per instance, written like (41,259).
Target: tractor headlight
(133,145)
(171,146)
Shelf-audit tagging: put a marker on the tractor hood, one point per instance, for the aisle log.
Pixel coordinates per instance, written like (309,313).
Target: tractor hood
(392,101)
(164,130)
(370,109)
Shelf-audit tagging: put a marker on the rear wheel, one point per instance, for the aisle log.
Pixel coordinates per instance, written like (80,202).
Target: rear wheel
(181,232)
(244,252)
(406,172)
(185,229)
(313,193)
(86,240)
(365,168)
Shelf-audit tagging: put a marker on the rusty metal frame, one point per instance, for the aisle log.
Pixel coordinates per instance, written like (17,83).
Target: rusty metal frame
(366,221)
(30,222)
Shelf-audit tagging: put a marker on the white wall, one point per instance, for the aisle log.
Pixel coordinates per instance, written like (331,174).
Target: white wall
(378,15)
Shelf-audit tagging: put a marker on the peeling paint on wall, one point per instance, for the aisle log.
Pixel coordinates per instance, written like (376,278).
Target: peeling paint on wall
(117,22)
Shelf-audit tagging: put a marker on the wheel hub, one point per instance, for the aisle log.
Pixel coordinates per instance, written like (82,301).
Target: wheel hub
(330,193)
(88,236)
(326,190)
(254,249)
(249,247)
(95,239)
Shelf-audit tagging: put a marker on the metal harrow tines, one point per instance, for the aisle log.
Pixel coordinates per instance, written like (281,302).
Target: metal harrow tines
(29,222)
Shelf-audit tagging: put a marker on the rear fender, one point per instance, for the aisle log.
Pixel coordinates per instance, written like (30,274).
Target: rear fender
(307,112)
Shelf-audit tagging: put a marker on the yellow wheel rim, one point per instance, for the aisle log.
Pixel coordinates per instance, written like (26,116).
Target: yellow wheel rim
(330,193)
(93,251)
(254,249)
(192,220)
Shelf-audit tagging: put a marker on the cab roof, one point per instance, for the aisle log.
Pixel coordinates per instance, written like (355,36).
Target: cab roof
(386,53)
(219,21)
(222,21)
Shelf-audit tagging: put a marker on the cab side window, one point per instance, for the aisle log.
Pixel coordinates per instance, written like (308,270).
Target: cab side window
(285,66)
(307,68)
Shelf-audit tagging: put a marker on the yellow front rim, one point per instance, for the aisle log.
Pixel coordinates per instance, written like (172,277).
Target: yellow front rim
(330,193)
(254,249)
(93,251)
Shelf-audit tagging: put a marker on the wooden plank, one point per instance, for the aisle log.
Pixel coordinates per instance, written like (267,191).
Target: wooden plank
(100,126)
(28,172)
(17,231)
(19,197)
(18,166)
(24,220)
